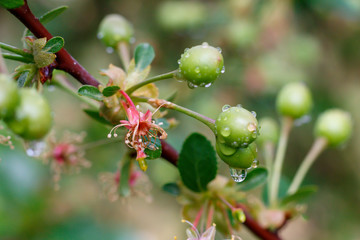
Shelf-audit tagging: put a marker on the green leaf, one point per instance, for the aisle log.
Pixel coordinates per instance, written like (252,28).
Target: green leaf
(171,188)
(90,92)
(109,91)
(197,162)
(54,45)
(301,195)
(144,55)
(94,114)
(124,188)
(254,179)
(284,186)
(156,151)
(10,4)
(53,13)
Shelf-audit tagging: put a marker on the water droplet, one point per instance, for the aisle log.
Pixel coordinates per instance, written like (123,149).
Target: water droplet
(226,107)
(239,105)
(225,132)
(223,69)
(197,70)
(186,49)
(109,50)
(187,55)
(251,127)
(303,120)
(219,49)
(179,61)
(208,85)
(255,163)
(245,144)
(253,113)
(254,134)
(190,85)
(100,35)
(218,70)
(238,175)
(204,44)
(35,148)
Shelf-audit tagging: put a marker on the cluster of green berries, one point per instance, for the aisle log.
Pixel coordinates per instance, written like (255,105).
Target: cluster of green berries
(25,111)
(236,131)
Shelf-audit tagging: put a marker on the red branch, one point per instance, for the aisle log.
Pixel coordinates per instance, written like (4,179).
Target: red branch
(64,61)
(67,63)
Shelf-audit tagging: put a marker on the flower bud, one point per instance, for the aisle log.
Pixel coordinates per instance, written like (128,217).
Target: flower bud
(335,125)
(114,29)
(294,100)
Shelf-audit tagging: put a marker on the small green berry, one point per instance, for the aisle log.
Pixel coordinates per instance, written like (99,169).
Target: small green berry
(201,65)
(9,96)
(238,158)
(269,130)
(294,100)
(32,118)
(114,29)
(335,125)
(236,126)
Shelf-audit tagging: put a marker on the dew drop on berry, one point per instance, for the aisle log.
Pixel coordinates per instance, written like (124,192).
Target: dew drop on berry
(223,69)
(255,163)
(179,61)
(238,175)
(208,85)
(35,148)
(190,85)
(219,49)
(253,113)
(204,44)
(225,132)
(109,50)
(226,107)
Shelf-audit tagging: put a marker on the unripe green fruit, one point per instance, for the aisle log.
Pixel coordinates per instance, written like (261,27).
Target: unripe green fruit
(239,158)
(114,29)
(181,15)
(236,127)
(9,96)
(294,100)
(32,118)
(335,125)
(269,131)
(201,65)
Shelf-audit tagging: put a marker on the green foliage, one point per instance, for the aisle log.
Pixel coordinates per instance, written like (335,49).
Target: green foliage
(144,55)
(94,114)
(171,188)
(111,90)
(255,178)
(10,4)
(301,195)
(197,162)
(52,14)
(90,92)
(54,45)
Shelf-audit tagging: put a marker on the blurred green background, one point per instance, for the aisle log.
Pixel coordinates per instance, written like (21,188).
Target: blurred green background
(265,45)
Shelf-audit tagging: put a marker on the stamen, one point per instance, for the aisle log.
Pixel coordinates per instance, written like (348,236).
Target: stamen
(192,226)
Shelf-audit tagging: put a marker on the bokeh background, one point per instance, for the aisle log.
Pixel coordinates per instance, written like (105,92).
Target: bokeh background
(265,43)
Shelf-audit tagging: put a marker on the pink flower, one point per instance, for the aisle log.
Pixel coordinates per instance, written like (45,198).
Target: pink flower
(141,130)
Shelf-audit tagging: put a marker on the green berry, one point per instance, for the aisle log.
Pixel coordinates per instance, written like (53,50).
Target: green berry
(181,15)
(236,127)
(114,29)
(32,118)
(335,125)
(238,158)
(201,65)
(269,130)
(294,100)
(9,96)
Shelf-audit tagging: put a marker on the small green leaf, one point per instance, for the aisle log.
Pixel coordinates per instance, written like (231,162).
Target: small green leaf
(171,188)
(197,162)
(254,179)
(54,45)
(53,13)
(90,92)
(10,4)
(144,55)
(124,188)
(300,195)
(156,151)
(109,91)
(94,114)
